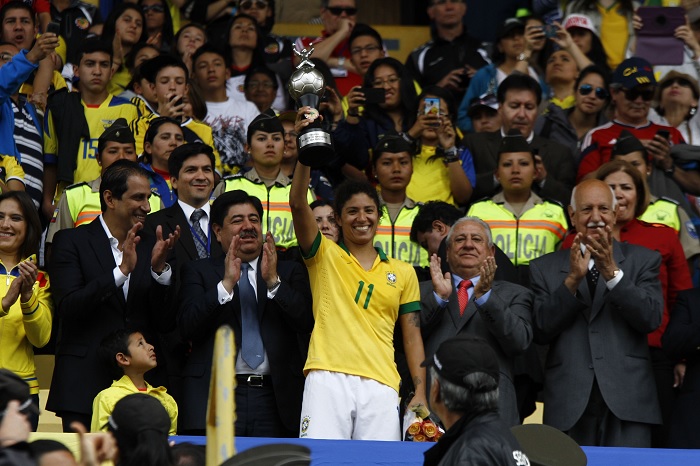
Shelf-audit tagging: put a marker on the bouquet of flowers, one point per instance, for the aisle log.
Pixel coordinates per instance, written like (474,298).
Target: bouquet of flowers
(418,427)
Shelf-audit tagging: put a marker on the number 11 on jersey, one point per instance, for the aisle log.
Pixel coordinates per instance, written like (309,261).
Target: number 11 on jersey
(361,286)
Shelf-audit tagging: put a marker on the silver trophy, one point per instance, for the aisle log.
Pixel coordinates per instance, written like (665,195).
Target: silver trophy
(306,86)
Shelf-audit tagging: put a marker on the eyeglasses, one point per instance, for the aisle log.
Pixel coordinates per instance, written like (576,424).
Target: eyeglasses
(339,10)
(383,82)
(153,8)
(679,81)
(632,94)
(248,4)
(263,84)
(600,92)
(367,48)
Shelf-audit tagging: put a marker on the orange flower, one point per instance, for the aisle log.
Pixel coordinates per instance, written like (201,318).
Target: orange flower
(414,428)
(429,429)
(438,434)
(419,438)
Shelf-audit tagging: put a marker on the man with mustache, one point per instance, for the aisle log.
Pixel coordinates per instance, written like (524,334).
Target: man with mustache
(468,301)
(267,303)
(594,305)
(109,275)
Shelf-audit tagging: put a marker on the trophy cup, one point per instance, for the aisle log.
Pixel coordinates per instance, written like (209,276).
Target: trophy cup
(306,87)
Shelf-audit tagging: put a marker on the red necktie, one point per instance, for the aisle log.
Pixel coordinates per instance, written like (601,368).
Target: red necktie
(463,295)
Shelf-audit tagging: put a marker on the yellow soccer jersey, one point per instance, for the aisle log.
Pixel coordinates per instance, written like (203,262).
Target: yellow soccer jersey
(193,130)
(10,169)
(98,117)
(356,311)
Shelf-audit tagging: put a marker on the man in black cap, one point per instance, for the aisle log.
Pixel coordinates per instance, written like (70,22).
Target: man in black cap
(464,393)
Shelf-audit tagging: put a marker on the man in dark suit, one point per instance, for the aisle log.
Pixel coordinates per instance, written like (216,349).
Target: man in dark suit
(519,97)
(594,305)
(682,341)
(266,302)
(104,280)
(191,168)
(467,301)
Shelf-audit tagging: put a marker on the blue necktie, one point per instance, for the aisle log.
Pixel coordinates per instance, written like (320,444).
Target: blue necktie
(252,350)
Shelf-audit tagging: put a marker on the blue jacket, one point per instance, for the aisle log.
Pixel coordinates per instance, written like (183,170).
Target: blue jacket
(159,186)
(482,82)
(12,75)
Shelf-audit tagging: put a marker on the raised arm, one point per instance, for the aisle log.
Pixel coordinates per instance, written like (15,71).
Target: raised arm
(304,221)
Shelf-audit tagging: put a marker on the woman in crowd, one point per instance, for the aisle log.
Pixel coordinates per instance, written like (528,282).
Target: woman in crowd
(325,220)
(187,41)
(125,27)
(162,137)
(158,23)
(568,127)
(26,309)
(509,55)
(585,36)
(523,225)
(442,169)
(351,390)
(244,46)
(615,28)
(677,97)
(562,62)
(357,134)
(632,197)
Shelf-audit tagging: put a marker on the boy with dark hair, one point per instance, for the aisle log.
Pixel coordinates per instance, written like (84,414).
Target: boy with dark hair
(169,79)
(75,121)
(129,356)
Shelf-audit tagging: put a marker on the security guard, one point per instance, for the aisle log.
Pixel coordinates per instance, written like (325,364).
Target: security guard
(393,168)
(523,225)
(265,145)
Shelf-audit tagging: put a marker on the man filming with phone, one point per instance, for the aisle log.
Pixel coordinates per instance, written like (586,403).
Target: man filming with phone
(632,89)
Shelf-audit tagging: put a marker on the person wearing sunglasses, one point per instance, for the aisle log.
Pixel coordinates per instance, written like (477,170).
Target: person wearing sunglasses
(339,18)
(677,103)
(278,50)
(568,127)
(631,92)
(159,24)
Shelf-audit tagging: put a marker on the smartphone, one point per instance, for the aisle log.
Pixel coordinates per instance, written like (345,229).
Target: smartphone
(178,101)
(374,95)
(664,133)
(549,30)
(432,106)
(54,28)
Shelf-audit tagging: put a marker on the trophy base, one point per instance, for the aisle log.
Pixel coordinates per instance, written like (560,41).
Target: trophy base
(315,149)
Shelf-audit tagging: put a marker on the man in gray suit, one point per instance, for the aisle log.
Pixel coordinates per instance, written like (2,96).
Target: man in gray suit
(594,305)
(467,301)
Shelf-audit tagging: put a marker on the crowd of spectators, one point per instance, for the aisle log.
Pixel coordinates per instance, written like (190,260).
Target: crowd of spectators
(535,184)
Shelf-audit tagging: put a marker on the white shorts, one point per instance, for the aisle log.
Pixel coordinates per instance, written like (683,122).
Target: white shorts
(343,406)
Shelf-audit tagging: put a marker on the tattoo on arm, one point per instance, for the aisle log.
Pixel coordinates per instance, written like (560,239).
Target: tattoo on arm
(417,381)
(414,318)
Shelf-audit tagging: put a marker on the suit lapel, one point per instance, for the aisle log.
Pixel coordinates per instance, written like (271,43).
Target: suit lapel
(103,251)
